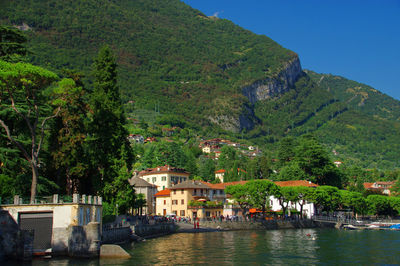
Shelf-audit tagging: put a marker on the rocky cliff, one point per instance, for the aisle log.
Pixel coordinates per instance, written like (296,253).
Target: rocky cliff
(258,91)
(264,89)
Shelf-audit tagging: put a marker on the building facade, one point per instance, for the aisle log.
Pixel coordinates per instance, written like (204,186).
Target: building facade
(148,190)
(163,202)
(164,176)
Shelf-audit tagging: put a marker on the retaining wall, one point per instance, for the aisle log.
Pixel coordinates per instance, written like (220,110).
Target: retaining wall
(14,243)
(116,235)
(260,225)
(147,230)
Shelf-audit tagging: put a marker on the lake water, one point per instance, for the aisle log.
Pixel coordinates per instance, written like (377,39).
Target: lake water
(276,247)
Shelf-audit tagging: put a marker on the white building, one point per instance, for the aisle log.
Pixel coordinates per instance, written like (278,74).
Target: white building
(164,176)
(55,221)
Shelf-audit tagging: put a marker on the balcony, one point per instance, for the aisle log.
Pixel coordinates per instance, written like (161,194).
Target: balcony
(200,195)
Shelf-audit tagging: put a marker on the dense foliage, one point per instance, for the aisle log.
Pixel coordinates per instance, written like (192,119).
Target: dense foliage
(327,199)
(177,63)
(169,53)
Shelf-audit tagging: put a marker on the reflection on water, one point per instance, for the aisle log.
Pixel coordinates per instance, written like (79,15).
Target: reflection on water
(280,247)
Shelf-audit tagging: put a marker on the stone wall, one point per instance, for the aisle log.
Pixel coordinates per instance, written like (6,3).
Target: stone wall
(259,225)
(147,230)
(14,243)
(116,235)
(84,241)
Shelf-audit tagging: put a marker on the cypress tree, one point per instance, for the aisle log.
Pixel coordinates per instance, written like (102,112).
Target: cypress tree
(108,134)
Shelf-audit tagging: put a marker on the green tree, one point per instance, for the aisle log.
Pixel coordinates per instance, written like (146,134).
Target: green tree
(119,192)
(379,205)
(326,198)
(259,193)
(68,147)
(21,92)
(395,205)
(240,194)
(285,195)
(313,159)
(395,189)
(227,158)
(207,168)
(12,44)
(140,203)
(286,151)
(303,195)
(165,153)
(355,201)
(292,171)
(108,134)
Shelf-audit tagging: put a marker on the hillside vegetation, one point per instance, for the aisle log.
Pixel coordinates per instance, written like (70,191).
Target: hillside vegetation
(167,52)
(175,60)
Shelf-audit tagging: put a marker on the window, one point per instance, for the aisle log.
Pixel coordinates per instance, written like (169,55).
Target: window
(195,190)
(182,202)
(181,191)
(165,202)
(174,192)
(163,178)
(148,179)
(175,202)
(182,213)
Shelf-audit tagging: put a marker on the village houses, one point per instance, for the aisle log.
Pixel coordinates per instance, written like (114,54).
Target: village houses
(382,187)
(199,199)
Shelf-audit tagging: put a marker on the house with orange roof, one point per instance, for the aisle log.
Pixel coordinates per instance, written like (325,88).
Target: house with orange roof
(219,174)
(231,208)
(195,199)
(308,207)
(163,202)
(164,176)
(380,186)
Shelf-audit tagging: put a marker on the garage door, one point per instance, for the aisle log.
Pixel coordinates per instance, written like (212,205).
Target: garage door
(41,223)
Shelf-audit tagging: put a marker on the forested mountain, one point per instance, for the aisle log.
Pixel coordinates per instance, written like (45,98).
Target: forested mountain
(359,96)
(210,73)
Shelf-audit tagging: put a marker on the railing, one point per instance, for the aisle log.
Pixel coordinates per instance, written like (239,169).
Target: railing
(200,194)
(338,219)
(53,199)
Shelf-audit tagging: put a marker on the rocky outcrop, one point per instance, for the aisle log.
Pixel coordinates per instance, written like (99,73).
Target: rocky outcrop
(260,90)
(264,89)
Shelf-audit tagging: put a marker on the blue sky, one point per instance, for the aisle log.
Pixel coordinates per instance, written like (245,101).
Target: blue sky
(356,39)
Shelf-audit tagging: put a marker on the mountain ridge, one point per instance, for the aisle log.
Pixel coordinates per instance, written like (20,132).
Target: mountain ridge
(215,75)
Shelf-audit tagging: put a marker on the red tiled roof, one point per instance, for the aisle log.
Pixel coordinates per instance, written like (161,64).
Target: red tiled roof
(223,185)
(163,169)
(368,185)
(223,171)
(385,182)
(295,183)
(163,193)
